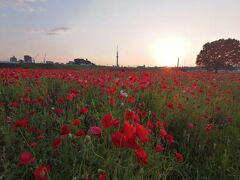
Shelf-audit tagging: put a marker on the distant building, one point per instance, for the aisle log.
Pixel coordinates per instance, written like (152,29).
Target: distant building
(27,59)
(83,62)
(21,61)
(141,66)
(79,61)
(70,62)
(49,62)
(13,59)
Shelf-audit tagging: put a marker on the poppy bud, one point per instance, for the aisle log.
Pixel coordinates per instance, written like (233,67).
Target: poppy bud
(100,170)
(87,139)
(141,171)
(70,135)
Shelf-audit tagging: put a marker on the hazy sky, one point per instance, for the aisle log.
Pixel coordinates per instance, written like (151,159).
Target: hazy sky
(67,29)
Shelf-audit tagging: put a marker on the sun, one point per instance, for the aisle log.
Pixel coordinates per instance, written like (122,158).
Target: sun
(166,51)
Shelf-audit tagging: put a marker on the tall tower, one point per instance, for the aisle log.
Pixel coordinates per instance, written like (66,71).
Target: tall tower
(117,57)
(178,62)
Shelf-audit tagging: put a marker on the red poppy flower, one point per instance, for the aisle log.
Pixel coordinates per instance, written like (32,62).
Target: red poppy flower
(94,130)
(190,126)
(40,137)
(163,115)
(180,106)
(102,176)
(83,110)
(31,129)
(154,115)
(209,127)
(26,158)
(142,156)
(169,138)
(39,132)
(76,122)
(164,86)
(40,101)
(74,90)
(31,113)
(61,100)
(143,114)
(170,105)
(41,173)
(131,116)
(70,96)
(118,139)
(65,130)
(58,111)
(107,121)
(115,123)
(179,156)
(128,115)
(22,123)
(33,144)
(131,99)
(80,133)
(111,90)
(163,133)
(150,124)
(14,104)
(142,133)
(131,142)
(57,143)
(27,100)
(128,129)
(130,133)
(159,148)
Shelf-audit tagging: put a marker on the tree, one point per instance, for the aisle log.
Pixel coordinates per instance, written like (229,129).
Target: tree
(220,54)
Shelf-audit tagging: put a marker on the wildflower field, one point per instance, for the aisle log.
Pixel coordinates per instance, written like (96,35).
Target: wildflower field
(119,124)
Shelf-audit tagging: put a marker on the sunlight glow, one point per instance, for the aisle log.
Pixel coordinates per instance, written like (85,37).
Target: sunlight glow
(167,50)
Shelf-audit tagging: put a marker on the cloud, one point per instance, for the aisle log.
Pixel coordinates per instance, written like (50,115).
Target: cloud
(22,5)
(52,32)
(58,30)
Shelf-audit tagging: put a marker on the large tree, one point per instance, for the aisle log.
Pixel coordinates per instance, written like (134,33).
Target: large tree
(220,54)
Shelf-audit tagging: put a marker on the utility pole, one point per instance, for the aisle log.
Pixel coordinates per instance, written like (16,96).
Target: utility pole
(34,59)
(44,61)
(117,57)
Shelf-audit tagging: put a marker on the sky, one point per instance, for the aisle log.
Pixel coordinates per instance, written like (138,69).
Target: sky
(147,32)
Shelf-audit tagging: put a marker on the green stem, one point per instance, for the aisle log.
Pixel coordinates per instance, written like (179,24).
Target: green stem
(26,141)
(95,152)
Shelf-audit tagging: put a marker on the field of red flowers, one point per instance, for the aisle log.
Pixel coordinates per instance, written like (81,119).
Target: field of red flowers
(119,124)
